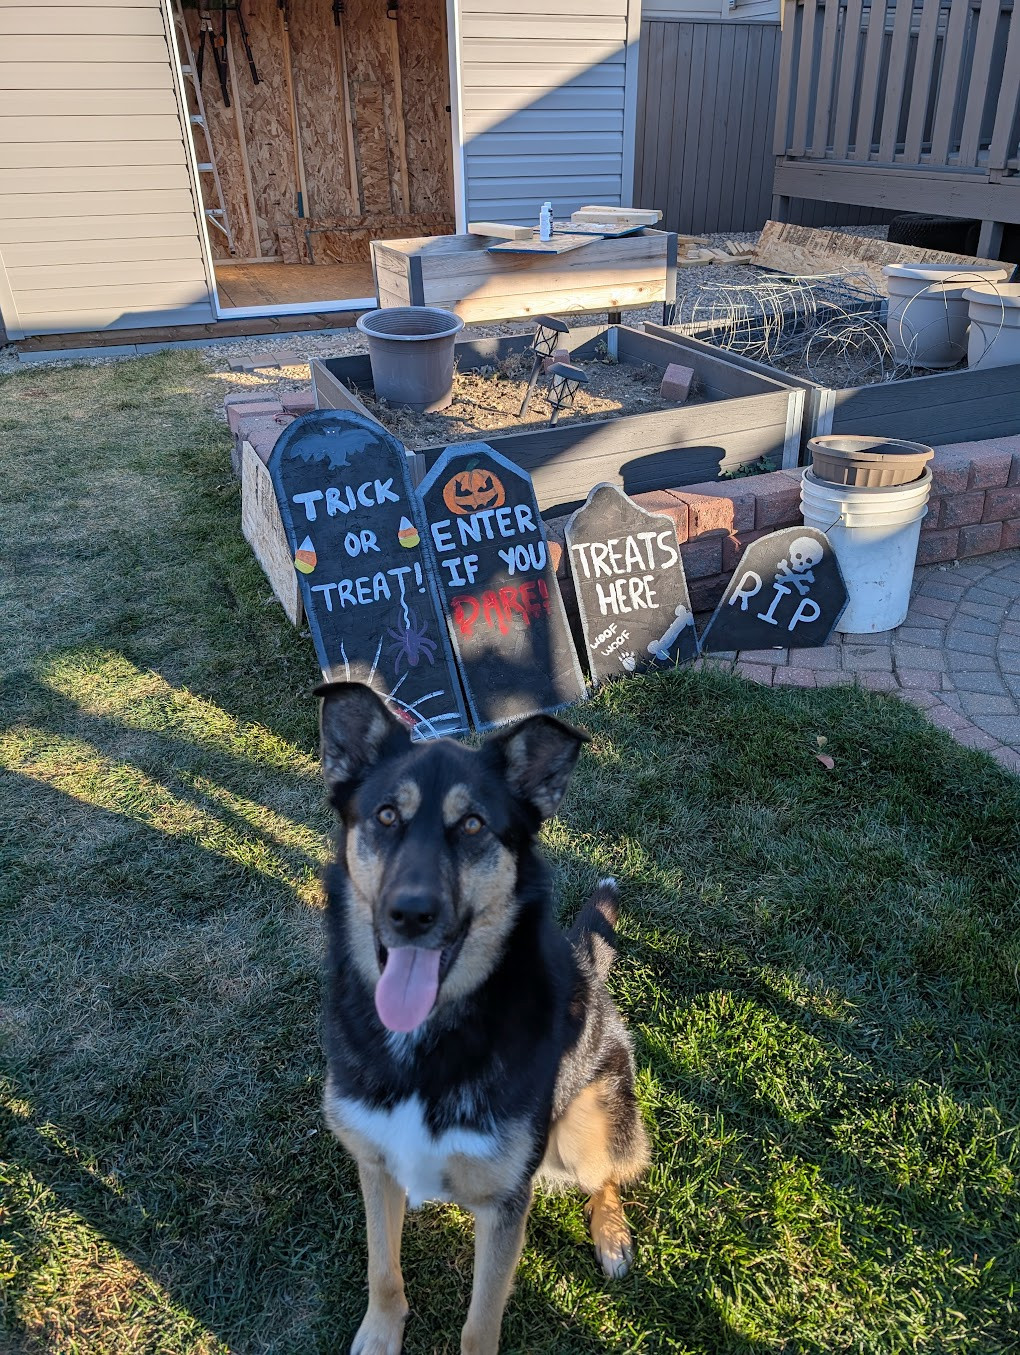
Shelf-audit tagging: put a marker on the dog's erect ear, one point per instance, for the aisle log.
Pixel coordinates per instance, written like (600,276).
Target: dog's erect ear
(538,757)
(356,732)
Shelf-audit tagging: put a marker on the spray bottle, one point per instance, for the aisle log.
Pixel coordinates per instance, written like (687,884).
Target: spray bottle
(545,222)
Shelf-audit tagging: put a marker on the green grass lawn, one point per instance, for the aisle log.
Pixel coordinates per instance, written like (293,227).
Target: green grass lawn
(820,966)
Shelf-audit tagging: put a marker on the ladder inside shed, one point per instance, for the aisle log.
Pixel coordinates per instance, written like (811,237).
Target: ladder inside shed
(213,204)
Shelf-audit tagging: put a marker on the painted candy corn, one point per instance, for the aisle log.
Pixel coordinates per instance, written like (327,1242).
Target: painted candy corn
(407,533)
(305,558)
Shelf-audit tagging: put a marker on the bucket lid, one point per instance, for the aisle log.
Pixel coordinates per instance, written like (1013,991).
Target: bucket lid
(946,272)
(994,293)
(409,324)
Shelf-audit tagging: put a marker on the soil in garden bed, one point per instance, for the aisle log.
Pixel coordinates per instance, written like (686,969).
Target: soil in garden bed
(488,400)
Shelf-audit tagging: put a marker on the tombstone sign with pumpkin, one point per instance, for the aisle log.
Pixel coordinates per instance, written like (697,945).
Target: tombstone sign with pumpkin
(498,587)
(356,536)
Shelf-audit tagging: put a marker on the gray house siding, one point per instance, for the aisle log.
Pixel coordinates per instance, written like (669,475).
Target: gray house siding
(98,227)
(705,114)
(547,103)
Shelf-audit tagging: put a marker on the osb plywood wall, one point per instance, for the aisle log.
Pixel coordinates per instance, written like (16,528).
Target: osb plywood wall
(344,138)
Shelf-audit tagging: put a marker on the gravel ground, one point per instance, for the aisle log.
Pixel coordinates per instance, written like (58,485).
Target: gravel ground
(217,357)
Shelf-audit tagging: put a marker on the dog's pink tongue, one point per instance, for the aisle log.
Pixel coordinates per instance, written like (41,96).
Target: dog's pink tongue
(407,988)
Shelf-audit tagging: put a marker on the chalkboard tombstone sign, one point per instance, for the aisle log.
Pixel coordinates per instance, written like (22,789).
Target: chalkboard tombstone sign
(630,584)
(498,586)
(355,532)
(786,592)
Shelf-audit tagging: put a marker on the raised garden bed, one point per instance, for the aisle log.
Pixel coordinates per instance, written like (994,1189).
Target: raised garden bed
(457,273)
(957,406)
(740,417)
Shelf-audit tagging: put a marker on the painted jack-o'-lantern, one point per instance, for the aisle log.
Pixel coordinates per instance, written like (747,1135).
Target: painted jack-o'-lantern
(472,489)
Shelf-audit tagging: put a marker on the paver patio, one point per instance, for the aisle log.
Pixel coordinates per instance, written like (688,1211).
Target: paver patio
(957,655)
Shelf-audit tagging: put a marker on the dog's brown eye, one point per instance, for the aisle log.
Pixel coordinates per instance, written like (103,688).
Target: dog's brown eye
(472,824)
(387,816)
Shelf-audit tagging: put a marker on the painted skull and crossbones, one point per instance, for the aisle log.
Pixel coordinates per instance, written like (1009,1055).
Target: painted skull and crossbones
(805,553)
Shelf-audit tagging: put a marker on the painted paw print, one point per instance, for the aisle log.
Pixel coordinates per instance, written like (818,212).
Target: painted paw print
(629,661)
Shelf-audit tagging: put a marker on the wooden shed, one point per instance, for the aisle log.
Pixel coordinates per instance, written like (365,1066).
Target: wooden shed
(171,163)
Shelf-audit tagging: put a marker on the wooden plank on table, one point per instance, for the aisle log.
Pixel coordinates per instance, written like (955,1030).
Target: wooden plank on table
(806,250)
(952,64)
(559,244)
(500,231)
(920,87)
(826,82)
(1000,151)
(847,79)
(870,71)
(895,79)
(632,216)
(977,92)
(263,529)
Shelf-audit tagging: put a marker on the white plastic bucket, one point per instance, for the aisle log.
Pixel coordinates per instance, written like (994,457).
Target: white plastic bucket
(874,534)
(927,319)
(994,339)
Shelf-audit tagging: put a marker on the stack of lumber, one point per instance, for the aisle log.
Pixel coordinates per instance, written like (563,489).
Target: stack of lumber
(807,251)
(703,254)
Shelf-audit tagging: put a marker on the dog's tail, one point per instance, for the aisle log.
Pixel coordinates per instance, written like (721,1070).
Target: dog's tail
(593,935)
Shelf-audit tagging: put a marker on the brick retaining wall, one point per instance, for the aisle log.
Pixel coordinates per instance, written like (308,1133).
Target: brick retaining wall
(974,507)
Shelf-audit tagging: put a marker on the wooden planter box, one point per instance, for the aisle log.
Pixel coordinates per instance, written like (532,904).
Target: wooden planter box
(746,416)
(962,406)
(457,273)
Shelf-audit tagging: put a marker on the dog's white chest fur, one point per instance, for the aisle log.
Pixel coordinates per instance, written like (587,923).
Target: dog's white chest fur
(415,1158)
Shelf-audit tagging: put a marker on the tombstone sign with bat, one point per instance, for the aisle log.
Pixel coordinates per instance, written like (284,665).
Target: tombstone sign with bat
(630,585)
(498,586)
(355,533)
(786,592)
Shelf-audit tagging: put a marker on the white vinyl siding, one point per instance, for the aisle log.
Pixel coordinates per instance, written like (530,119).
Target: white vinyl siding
(546,100)
(98,223)
(708,11)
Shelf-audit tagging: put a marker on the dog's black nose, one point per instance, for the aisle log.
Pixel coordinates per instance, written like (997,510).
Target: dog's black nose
(411,915)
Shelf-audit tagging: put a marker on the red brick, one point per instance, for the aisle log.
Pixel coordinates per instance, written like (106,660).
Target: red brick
(676,383)
(705,593)
(251,409)
(557,355)
(980,539)
(1010,539)
(665,501)
(703,557)
(1001,504)
(558,557)
(950,471)
(960,510)
(717,507)
(934,547)
(931,522)
(262,433)
(777,500)
(298,402)
(990,469)
(250,396)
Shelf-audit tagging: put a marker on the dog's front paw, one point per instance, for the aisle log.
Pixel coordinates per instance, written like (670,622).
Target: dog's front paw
(616,1253)
(381,1333)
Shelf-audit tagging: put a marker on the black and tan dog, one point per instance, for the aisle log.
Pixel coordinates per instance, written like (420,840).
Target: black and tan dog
(471,1046)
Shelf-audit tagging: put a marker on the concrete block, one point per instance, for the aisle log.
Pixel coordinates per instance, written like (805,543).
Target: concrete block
(1001,504)
(262,433)
(236,414)
(676,383)
(960,510)
(298,402)
(990,468)
(1010,538)
(703,558)
(981,539)
(930,522)
(705,593)
(718,507)
(950,471)
(777,500)
(667,501)
(934,547)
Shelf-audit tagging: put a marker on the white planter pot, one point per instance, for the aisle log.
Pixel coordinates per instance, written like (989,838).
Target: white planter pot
(994,339)
(928,311)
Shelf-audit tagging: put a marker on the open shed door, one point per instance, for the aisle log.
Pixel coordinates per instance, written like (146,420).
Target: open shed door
(547,96)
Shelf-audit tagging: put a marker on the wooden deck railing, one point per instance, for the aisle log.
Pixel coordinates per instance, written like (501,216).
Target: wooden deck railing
(928,86)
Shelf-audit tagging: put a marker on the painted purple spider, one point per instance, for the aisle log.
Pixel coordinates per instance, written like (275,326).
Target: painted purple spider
(411,645)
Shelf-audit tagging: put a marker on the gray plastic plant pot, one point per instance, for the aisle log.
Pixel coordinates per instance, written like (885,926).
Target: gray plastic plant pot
(411,351)
(867,463)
